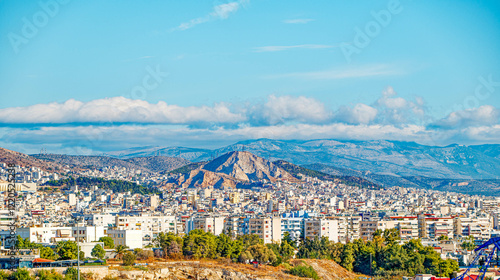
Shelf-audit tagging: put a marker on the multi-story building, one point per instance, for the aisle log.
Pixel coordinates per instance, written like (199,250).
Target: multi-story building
(126,237)
(268,229)
(407,226)
(212,224)
(321,228)
(433,227)
(150,226)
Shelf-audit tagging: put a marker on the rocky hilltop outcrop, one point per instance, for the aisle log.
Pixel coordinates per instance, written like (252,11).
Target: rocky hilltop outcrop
(230,170)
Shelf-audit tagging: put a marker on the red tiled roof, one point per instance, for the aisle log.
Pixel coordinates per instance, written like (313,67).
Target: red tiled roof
(40,260)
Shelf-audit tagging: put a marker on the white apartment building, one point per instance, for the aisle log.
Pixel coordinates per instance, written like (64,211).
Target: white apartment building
(126,237)
(214,225)
(433,227)
(150,226)
(105,220)
(46,234)
(268,229)
(321,228)
(88,233)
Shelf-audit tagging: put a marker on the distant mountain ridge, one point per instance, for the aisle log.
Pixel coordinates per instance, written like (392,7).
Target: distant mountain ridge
(378,156)
(489,187)
(150,164)
(8,156)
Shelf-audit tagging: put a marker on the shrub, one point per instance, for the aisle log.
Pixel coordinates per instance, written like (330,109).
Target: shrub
(49,275)
(72,274)
(304,271)
(21,274)
(128,259)
(4,275)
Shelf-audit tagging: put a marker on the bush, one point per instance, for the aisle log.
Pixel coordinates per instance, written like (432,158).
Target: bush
(128,259)
(49,275)
(4,275)
(277,262)
(110,277)
(143,254)
(304,271)
(72,274)
(21,274)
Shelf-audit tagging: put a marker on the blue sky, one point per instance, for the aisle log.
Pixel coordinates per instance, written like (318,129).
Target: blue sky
(208,73)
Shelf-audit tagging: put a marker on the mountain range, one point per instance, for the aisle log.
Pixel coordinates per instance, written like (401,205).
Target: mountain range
(467,169)
(381,157)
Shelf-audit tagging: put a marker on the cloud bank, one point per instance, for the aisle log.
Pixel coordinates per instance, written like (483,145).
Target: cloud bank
(115,123)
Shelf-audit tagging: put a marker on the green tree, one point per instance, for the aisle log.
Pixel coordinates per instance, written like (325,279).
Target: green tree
(199,244)
(315,248)
(288,238)
(227,248)
(286,250)
(47,253)
(248,240)
(469,243)
(391,236)
(129,259)
(68,250)
(447,267)
(443,237)
(261,253)
(165,242)
(174,250)
(348,257)
(98,252)
(120,250)
(108,242)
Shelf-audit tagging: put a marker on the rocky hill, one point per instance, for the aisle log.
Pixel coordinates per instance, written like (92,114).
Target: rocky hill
(211,270)
(150,164)
(346,179)
(8,156)
(233,169)
(246,166)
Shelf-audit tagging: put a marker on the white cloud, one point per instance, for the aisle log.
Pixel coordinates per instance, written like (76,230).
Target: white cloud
(113,123)
(280,109)
(398,110)
(337,74)
(481,116)
(298,21)
(117,110)
(359,114)
(222,11)
(284,48)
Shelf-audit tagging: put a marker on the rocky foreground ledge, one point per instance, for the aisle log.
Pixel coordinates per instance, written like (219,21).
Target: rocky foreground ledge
(208,270)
